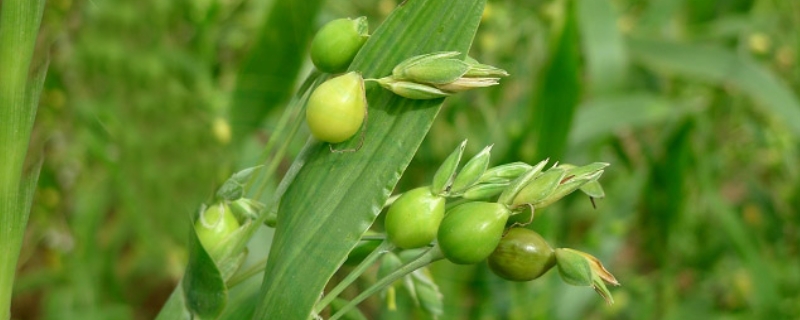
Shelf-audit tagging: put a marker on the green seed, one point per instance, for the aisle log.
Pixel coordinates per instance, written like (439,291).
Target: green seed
(413,219)
(214,225)
(337,43)
(336,108)
(471,231)
(522,255)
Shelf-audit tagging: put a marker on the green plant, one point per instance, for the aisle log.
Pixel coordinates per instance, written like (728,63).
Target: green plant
(694,102)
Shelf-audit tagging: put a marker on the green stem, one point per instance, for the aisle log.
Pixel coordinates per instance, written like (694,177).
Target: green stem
(278,157)
(244,275)
(452,203)
(373,237)
(293,112)
(430,256)
(384,247)
(19,26)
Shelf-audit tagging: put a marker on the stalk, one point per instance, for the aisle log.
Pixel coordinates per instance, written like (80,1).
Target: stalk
(430,256)
(19,98)
(293,114)
(384,247)
(244,275)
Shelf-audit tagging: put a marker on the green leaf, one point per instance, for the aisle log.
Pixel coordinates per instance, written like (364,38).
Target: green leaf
(601,117)
(337,196)
(724,68)
(19,99)
(203,286)
(603,46)
(267,77)
(557,93)
(427,292)
(352,314)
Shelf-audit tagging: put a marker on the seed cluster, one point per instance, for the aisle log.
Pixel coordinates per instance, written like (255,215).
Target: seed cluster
(479,228)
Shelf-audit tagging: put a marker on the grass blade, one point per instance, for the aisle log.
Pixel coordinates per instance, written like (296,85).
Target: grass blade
(557,94)
(722,67)
(603,46)
(266,78)
(19,26)
(601,117)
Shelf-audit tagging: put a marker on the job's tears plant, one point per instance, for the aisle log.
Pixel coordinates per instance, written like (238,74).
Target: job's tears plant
(479,227)
(466,214)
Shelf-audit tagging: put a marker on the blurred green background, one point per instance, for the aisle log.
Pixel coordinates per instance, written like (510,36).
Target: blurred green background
(149,105)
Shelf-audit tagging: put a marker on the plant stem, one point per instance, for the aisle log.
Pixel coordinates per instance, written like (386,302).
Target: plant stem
(373,237)
(244,275)
(384,247)
(430,256)
(293,112)
(19,98)
(278,157)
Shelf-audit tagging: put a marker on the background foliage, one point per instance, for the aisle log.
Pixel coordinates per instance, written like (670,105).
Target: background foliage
(694,103)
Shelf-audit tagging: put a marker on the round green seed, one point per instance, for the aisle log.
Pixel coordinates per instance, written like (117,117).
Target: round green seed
(337,43)
(336,108)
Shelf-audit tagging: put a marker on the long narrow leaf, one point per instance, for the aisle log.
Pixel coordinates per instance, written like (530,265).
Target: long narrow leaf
(19,26)
(722,67)
(601,117)
(267,77)
(557,93)
(337,196)
(603,46)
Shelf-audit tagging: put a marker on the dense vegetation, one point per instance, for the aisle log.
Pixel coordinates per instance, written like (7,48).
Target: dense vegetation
(149,106)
